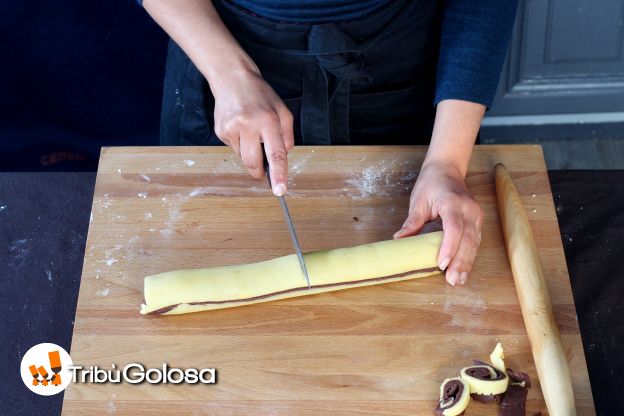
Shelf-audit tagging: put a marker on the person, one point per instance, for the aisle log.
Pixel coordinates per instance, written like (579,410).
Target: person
(264,75)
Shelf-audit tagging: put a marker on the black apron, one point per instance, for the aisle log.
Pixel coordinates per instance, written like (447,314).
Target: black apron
(366,81)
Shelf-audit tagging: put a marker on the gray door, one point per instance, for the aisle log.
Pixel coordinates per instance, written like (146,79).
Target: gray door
(564,73)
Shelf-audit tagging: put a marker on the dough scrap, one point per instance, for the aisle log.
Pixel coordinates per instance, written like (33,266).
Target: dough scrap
(487,382)
(454,397)
(186,291)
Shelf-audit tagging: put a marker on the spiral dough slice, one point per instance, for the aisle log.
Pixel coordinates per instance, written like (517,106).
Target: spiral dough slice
(454,397)
(486,383)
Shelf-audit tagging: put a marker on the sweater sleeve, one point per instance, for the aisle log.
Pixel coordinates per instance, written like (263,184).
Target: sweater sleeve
(473,44)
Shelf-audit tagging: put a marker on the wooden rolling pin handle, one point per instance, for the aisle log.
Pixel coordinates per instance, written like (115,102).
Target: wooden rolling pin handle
(535,303)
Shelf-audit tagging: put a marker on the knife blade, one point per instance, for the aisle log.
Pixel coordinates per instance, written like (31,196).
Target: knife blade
(289,223)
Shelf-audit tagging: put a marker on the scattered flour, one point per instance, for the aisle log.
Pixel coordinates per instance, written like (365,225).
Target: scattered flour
(368,182)
(142,194)
(111,408)
(103,292)
(299,163)
(3,207)
(110,262)
(110,258)
(466,318)
(148,215)
(119,171)
(106,202)
(380,180)
(49,274)
(197,192)
(145,177)
(189,162)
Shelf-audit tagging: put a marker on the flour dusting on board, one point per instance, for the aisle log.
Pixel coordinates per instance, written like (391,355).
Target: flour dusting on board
(300,163)
(368,182)
(110,254)
(103,292)
(381,179)
(105,202)
(468,314)
(189,162)
(197,192)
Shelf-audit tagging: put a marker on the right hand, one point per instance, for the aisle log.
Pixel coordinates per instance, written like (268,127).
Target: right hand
(248,112)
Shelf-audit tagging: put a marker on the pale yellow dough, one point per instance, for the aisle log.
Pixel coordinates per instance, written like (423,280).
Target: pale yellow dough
(479,386)
(282,277)
(461,404)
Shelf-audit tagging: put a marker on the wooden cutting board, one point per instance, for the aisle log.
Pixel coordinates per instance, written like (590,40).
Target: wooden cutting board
(379,350)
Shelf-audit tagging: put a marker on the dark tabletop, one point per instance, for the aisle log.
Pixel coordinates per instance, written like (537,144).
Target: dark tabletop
(43,227)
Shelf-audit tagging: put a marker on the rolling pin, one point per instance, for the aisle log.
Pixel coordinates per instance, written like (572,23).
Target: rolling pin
(544,337)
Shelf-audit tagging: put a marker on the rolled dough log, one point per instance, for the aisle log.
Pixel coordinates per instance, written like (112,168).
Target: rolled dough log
(186,291)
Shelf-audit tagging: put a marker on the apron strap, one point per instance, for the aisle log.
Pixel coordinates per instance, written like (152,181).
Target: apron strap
(326,82)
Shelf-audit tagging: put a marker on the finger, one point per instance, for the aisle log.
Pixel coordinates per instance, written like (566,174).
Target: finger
(461,265)
(229,137)
(234,143)
(286,125)
(413,224)
(251,154)
(453,226)
(277,158)
(223,135)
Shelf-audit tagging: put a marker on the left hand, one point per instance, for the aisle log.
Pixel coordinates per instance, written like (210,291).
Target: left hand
(441,192)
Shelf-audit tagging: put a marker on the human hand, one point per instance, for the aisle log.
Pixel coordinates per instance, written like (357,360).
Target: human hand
(247,113)
(440,192)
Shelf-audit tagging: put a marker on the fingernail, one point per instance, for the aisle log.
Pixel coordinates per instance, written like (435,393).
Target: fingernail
(444,263)
(452,278)
(398,233)
(463,277)
(279,189)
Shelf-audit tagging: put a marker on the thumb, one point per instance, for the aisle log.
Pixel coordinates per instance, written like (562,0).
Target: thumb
(413,224)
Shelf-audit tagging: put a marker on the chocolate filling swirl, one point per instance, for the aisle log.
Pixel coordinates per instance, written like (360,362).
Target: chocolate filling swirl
(452,392)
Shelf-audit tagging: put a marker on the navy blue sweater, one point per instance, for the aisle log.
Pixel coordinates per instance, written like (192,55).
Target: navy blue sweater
(474,39)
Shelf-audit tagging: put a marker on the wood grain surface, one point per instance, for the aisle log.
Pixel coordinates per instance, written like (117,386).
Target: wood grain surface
(379,350)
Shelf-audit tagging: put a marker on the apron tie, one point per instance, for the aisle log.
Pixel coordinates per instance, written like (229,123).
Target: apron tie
(326,83)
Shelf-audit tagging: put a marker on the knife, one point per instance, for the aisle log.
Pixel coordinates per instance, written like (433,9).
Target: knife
(289,223)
